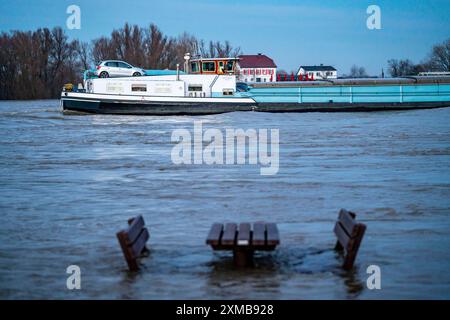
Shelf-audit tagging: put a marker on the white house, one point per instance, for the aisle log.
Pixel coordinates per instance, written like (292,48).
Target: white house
(256,68)
(318,72)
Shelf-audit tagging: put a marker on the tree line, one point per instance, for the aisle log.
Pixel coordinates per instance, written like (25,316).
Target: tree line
(438,60)
(36,64)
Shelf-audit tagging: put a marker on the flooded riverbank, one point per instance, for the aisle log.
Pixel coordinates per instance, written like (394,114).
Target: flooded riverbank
(69,183)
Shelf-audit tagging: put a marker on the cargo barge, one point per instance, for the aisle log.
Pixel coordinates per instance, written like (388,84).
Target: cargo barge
(201,92)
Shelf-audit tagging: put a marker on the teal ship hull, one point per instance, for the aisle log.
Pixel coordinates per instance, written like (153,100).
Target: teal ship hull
(351,95)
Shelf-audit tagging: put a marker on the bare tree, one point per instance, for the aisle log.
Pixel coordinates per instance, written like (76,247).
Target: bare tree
(36,64)
(84,54)
(101,50)
(399,68)
(440,57)
(358,72)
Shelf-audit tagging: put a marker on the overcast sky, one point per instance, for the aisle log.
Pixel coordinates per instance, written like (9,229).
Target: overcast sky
(291,32)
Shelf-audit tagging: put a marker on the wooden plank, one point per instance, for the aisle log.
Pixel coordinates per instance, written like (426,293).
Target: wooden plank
(259,234)
(342,235)
(138,246)
(229,234)
(350,258)
(273,237)
(214,235)
(347,221)
(122,236)
(244,234)
(135,229)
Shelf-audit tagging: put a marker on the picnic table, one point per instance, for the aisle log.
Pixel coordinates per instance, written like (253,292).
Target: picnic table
(244,239)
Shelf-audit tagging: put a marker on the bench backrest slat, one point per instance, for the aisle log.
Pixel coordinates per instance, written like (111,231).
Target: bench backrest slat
(347,220)
(273,237)
(127,250)
(215,233)
(132,241)
(349,234)
(342,235)
(244,234)
(139,245)
(259,234)
(135,229)
(229,234)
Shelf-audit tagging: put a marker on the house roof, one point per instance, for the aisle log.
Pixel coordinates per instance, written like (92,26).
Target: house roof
(256,61)
(318,68)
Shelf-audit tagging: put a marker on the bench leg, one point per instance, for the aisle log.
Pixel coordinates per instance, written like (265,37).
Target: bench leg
(338,246)
(243,258)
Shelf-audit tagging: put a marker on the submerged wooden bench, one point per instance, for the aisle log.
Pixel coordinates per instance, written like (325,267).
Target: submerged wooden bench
(132,241)
(243,240)
(349,235)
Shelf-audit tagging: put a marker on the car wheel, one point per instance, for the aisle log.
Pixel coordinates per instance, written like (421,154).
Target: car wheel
(104,74)
(136,74)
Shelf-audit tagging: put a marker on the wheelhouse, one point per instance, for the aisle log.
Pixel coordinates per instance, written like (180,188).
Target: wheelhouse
(213,66)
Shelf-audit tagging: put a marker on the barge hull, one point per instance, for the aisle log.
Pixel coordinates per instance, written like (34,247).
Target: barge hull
(346,107)
(202,108)
(151,107)
(179,108)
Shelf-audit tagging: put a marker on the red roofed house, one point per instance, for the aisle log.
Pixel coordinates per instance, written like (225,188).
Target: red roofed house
(256,68)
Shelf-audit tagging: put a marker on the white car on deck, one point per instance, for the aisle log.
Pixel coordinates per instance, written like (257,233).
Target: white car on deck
(117,68)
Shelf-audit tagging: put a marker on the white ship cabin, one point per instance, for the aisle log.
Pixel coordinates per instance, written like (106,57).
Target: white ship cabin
(181,85)
(213,66)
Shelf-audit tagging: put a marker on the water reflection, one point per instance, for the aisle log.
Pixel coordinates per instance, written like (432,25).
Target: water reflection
(226,281)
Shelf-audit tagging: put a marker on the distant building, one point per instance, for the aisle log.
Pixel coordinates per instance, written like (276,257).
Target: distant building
(318,72)
(256,68)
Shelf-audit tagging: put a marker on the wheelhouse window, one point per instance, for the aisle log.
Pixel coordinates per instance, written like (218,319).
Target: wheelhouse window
(139,87)
(209,66)
(229,66)
(221,67)
(194,67)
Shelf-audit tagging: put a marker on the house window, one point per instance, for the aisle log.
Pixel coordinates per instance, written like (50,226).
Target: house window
(138,87)
(209,66)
